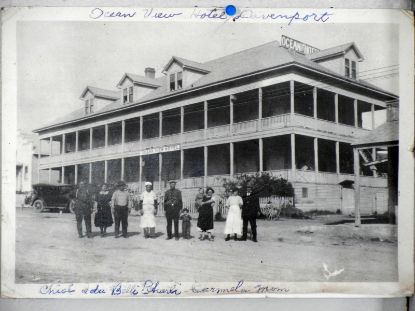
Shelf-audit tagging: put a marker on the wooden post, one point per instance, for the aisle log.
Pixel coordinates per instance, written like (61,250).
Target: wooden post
(105,171)
(316,155)
(182,119)
(76,174)
(90,138)
(161,123)
(205,110)
(232,172)
(315,102)
(337,157)
(293,164)
(356,186)
(205,163)
(231,98)
(140,172)
(122,135)
(141,129)
(292,104)
(50,145)
(336,108)
(106,135)
(76,141)
(160,169)
(90,173)
(181,163)
(63,174)
(63,143)
(260,108)
(372,112)
(122,168)
(375,173)
(261,155)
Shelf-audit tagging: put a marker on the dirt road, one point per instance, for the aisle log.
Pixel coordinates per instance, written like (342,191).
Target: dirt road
(49,250)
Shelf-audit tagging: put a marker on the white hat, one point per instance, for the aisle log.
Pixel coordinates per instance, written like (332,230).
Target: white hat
(148,183)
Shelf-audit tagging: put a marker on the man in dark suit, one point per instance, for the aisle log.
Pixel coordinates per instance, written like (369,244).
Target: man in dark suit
(172,206)
(250,211)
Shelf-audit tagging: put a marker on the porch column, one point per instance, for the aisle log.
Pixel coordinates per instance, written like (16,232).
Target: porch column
(181,119)
(336,108)
(231,98)
(49,175)
(90,138)
(337,157)
(106,135)
(105,171)
(181,163)
(205,110)
(161,123)
(315,102)
(122,168)
(122,134)
(375,172)
(372,112)
(141,128)
(356,186)
(261,155)
(205,163)
(76,174)
(90,173)
(160,167)
(76,141)
(293,164)
(140,172)
(356,120)
(50,145)
(316,154)
(63,174)
(63,143)
(260,108)
(231,173)
(292,97)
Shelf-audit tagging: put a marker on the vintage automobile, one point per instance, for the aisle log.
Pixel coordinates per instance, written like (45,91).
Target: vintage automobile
(50,196)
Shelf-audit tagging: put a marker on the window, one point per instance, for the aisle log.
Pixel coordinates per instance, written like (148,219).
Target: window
(89,106)
(347,68)
(127,95)
(354,75)
(176,81)
(304,192)
(130,94)
(172,82)
(179,80)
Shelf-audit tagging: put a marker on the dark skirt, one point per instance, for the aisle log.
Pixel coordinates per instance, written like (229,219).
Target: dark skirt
(103,218)
(205,220)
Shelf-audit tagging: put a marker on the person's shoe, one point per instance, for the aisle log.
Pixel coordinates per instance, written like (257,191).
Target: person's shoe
(227,238)
(176,238)
(80,236)
(210,238)
(200,237)
(254,240)
(242,239)
(169,238)
(235,238)
(125,236)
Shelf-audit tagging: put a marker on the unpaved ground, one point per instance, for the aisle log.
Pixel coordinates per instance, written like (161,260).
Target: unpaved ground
(49,250)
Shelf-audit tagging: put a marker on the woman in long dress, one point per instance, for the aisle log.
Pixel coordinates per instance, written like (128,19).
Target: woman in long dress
(205,220)
(234,219)
(103,217)
(148,202)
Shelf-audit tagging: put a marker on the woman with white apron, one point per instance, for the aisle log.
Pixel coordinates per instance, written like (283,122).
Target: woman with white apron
(234,219)
(148,202)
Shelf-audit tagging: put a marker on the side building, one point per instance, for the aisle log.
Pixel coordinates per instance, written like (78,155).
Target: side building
(268,108)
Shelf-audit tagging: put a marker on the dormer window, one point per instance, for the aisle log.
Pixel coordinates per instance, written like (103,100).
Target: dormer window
(176,81)
(89,106)
(350,68)
(128,95)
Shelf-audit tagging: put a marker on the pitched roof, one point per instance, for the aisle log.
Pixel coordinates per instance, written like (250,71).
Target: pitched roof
(187,63)
(384,134)
(146,81)
(340,49)
(98,92)
(268,56)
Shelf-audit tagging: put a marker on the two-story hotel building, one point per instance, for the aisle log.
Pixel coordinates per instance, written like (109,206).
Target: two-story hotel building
(269,108)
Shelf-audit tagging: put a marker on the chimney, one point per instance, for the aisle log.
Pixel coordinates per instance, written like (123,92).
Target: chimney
(150,73)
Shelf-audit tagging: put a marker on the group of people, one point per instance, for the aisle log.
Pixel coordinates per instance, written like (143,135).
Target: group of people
(114,209)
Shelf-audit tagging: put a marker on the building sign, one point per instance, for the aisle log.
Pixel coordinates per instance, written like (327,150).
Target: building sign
(161,149)
(298,46)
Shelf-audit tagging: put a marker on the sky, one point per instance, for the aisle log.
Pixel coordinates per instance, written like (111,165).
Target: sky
(57,60)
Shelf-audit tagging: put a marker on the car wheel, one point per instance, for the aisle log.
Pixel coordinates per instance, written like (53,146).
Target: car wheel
(39,206)
(71,207)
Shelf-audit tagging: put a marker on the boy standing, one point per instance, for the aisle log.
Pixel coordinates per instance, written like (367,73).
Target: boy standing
(186,222)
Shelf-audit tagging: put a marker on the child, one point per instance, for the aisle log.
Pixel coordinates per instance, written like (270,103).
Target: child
(186,218)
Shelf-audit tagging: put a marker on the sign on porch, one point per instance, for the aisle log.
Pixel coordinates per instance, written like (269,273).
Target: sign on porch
(161,149)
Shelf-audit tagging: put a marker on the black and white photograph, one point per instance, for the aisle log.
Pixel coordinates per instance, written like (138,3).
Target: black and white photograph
(233,156)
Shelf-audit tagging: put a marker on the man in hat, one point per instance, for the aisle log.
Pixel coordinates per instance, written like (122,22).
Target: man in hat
(121,205)
(83,209)
(250,211)
(172,206)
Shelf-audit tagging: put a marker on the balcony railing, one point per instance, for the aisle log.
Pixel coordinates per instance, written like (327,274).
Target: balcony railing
(240,128)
